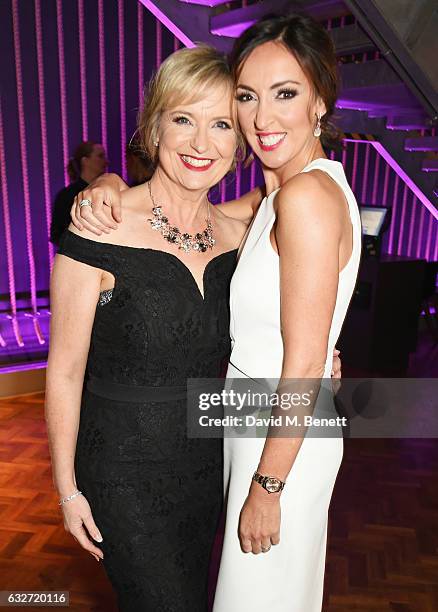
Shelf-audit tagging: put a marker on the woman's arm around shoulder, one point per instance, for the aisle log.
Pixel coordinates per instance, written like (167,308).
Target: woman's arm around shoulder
(245,207)
(231,230)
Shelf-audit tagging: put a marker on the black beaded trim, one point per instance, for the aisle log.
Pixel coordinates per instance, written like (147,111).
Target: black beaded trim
(105,297)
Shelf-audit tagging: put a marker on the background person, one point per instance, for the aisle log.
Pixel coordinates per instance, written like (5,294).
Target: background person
(86,164)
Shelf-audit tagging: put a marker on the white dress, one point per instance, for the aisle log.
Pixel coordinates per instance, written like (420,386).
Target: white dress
(289,578)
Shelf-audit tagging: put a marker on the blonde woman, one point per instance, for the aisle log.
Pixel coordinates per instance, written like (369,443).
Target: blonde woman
(136,313)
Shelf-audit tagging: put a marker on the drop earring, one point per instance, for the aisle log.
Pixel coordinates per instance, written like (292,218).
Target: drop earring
(155,143)
(317,130)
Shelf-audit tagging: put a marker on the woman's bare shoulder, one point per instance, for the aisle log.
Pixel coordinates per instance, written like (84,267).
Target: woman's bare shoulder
(232,230)
(245,207)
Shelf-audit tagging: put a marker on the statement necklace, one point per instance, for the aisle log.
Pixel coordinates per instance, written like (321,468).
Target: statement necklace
(186,242)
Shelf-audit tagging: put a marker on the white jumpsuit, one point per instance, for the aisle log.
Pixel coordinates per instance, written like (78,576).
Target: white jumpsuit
(289,578)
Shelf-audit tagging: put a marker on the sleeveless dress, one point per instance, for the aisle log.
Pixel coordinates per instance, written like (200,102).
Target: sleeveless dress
(289,578)
(155,494)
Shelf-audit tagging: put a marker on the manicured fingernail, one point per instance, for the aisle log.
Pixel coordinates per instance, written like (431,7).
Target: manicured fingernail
(98,538)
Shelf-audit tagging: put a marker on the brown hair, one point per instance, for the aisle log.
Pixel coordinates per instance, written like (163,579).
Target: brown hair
(185,76)
(313,49)
(74,166)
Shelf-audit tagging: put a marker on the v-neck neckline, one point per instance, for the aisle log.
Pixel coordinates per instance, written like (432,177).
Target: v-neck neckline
(200,292)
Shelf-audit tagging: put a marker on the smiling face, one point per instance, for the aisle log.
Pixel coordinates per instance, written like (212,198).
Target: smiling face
(197,141)
(276,106)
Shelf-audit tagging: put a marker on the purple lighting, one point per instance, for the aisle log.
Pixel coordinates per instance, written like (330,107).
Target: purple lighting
(83,69)
(103,121)
(252,176)
(8,237)
(394,210)
(420,231)
(365,175)
(375,181)
(405,178)
(44,146)
(140,54)
(429,237)
(122,81)
(21,367)
(24,166)
(414,209)
(62,88)
(158,35)
(238,180)
(167,23)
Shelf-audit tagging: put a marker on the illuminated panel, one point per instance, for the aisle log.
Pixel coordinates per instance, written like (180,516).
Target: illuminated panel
(122,82)
(140,54)
(429,239)
(156,12)
(158,43)
(252,178)
(8,239)
(62,88)
(420,231)
(43,123)
(413,214)
(393,210)
(385,184)
(375,179)
(354,174)
(24,168)
(83,69)
(405,178)
(223,190)
(402,219)
(101,29)
(238,180)
(365,175)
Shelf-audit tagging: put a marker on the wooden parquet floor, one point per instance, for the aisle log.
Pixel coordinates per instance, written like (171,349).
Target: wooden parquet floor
(383,533)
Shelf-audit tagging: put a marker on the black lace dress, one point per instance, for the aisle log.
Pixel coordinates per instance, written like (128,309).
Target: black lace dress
(155,494)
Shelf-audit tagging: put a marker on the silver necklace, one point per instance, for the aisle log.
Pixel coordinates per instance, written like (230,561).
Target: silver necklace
(186,242)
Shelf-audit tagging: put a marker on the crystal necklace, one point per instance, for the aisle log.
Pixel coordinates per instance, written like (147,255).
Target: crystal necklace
(186,242)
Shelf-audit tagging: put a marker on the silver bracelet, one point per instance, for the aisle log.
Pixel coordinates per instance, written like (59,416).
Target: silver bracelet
(70,497)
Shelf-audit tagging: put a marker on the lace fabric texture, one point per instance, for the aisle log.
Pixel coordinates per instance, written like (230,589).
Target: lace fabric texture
(156,495)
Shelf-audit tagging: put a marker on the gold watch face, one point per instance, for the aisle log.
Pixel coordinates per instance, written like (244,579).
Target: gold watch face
(273,485)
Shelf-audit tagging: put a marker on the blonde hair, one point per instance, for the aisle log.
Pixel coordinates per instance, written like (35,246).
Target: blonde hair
(184,77)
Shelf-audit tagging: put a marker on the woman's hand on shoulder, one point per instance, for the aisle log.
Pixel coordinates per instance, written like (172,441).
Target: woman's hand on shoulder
(104,191)
(243,208)
(129,199)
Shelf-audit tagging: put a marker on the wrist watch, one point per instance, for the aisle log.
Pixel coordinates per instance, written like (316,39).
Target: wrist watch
(269,483)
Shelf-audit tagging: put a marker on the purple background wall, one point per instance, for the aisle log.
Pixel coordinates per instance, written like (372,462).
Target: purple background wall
(74,70)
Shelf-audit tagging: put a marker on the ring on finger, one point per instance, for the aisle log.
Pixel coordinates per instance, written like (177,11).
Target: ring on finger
(85,202)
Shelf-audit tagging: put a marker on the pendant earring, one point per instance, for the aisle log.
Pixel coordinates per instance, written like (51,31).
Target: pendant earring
(317,130)
(155,143)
